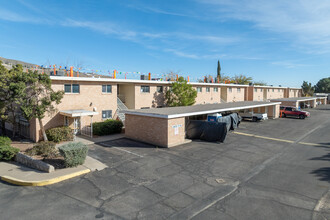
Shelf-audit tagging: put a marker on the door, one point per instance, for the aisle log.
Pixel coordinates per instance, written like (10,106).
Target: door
(76,125)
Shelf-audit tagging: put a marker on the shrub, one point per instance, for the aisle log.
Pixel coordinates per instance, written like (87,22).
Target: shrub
(5,140)
(45,149)
(8,152)
(107,127)
(59,134)
(74,153)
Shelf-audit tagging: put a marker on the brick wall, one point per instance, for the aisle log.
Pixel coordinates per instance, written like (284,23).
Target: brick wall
(90,96)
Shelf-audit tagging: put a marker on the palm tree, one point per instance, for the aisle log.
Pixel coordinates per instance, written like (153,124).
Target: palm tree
(241,79)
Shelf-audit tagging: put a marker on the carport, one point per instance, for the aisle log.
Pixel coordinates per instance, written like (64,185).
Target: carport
(165,127)
(300,101)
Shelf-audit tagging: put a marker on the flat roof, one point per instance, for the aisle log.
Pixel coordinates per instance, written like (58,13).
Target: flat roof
(183,111)
(136,81)
(78,113)
(295,99)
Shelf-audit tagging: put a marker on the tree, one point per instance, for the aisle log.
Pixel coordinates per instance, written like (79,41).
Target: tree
(39,98)
(260,83)
(12,94)
(218,71)
(323,85)
(241,79)
(180,94)
(307,89)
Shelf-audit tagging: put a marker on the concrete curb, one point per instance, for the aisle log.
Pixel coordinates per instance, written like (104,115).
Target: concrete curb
(19,182)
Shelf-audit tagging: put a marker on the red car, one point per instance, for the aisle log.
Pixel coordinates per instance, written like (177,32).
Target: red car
(293,112)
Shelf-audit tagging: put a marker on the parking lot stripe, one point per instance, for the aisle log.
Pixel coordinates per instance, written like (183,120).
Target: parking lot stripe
(312,144)
(263,137)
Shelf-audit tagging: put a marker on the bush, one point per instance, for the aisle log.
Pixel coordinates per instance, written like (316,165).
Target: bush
(107,127)
(5,140)
(59,134)
(74,153)
(8,152)
(44,149)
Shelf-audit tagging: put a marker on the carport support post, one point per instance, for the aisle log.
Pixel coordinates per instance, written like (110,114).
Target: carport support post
(92,126)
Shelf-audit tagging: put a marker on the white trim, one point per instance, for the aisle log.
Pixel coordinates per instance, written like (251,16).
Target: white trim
(198,113)
(295,100)
(78,114)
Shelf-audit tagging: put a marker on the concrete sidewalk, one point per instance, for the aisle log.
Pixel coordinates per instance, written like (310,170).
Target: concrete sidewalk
(18,174)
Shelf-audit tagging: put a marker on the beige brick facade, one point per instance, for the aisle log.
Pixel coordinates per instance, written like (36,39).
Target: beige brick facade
(157,131)
(90,96)
(233,93)
(207,94)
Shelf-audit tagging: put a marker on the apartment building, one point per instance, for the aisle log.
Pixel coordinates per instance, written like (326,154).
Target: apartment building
(88,100)
(233,93)
(264,93)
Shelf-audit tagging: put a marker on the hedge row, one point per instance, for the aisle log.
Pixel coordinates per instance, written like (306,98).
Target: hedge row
(107,127)
(59,134)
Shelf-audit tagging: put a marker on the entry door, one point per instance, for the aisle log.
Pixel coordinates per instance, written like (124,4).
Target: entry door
(76,125)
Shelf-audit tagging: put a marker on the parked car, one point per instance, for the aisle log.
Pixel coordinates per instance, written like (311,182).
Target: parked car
(293,112)
(247,115)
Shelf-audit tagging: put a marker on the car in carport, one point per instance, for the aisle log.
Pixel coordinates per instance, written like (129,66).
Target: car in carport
(288,111)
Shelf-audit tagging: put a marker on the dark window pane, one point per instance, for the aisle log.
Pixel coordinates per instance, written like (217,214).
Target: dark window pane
(75,88)
(104,88)
(159,89)
(67,88)
(107,114)
(108,88)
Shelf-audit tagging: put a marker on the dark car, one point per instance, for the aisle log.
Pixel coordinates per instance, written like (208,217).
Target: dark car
(293,112)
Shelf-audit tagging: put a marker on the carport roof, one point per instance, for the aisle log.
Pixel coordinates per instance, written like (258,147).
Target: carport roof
(294,99)
(183,111)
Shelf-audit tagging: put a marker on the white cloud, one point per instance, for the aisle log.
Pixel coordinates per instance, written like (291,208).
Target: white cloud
(303,21)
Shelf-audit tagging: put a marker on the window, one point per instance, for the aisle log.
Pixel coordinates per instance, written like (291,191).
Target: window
(106,88)
(238,90)
(215,89)
(279,90)
(66,121)
(267,90)
(145,89)
(261,90)
(160,89)
(67,88)
(230,89)
(199,89)
(256,90)
(71,88)
(273,90)
(207,89)
(106,114)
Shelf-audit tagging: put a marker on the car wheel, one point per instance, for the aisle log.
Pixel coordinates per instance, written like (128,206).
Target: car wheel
(283,115)
(254,119)
(302,116)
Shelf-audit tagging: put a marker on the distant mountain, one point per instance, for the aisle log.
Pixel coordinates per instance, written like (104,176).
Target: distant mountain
(8,63)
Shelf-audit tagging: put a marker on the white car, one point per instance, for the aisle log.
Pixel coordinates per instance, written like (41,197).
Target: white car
(253,116)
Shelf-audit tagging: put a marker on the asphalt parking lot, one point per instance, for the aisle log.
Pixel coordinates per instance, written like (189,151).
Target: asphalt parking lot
(282,172)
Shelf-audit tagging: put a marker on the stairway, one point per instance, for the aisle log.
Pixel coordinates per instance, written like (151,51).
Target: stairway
(120,107)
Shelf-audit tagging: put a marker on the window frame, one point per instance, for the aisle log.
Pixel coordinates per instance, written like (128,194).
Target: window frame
(208,89)
(72,86)
(144,87)
(107,114)
(238,90)
(160,89)
(215,89)
(230,89)
(199,89)
(107,86)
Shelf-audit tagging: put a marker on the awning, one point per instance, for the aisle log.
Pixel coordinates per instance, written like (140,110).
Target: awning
(78,113)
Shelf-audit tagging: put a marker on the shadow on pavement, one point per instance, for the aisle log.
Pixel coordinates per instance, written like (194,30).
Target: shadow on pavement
(125,143)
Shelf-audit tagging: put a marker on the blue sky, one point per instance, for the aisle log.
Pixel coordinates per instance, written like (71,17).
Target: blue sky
(277,42)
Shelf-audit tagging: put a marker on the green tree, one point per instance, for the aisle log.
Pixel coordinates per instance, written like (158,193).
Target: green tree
(241,79)
(323,85)
(260,83)
(307,89)
(180,94)
(219,72)
(3,89)
(40,98)
(12,94)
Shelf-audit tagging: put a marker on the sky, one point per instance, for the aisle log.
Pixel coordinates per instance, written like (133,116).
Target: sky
(277,42)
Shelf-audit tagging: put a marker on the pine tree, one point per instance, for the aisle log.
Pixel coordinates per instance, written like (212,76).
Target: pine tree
(218,72)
